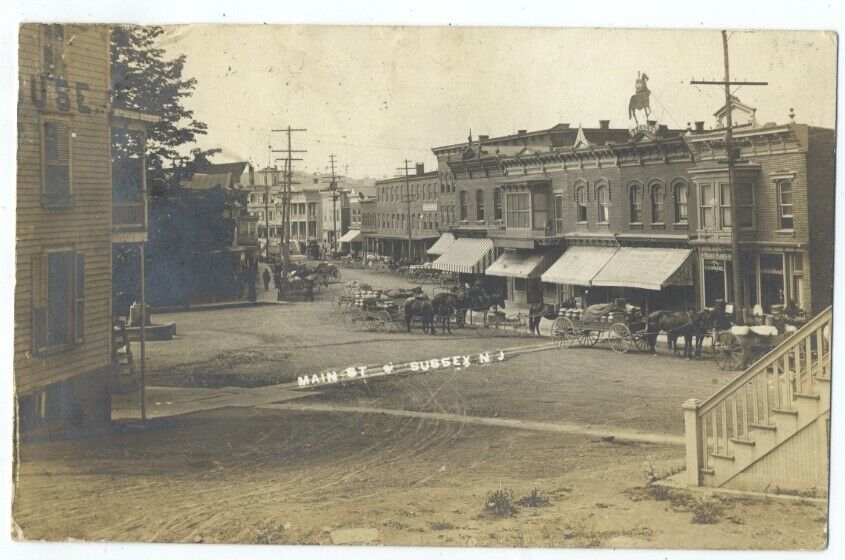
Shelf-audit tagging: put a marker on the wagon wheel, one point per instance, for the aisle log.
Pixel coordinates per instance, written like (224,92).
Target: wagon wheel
(641,341)
(336,275)
(520,325)
(446,281)
(409,276)
(588,337)
(385,321)
(728,351)
(416,278)
(353,320)
(620,338)
(563,332)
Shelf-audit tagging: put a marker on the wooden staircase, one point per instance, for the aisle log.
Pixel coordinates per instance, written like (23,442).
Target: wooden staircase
(768,429)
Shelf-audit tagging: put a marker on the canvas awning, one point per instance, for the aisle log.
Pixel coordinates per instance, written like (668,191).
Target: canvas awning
(650,269)
(467,255)
(351,236)
(578,265)
(441,244)
(516,264)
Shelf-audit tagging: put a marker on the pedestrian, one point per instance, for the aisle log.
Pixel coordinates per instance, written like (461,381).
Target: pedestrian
(266,278)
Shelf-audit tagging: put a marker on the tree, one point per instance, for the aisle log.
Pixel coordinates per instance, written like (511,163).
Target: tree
(143,79)
(189,232)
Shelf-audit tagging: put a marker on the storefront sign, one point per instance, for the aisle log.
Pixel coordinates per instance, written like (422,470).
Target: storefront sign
(354,373)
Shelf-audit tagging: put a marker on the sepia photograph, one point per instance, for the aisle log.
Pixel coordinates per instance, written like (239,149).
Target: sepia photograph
(470,286)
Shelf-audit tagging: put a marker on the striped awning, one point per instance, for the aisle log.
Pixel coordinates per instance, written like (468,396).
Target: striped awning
(441,244)
(467,255)
(516,264)
(350,236)
(647,268)
(578,265)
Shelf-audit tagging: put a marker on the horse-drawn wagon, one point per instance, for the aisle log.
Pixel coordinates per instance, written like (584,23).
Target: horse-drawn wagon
(620,325)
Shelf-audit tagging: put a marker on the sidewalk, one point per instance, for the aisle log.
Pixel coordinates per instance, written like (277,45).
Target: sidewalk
(262,298)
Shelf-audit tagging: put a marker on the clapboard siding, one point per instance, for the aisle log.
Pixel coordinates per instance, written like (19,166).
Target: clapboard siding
(83,227)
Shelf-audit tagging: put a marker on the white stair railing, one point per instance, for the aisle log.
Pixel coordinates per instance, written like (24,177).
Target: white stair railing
(770,386)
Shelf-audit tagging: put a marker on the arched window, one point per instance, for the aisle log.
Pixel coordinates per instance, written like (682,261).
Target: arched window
(680,191)
(581,203)
(479,205)
(603,197)
(497,203)
(636,198)
(462,198)
(657,203)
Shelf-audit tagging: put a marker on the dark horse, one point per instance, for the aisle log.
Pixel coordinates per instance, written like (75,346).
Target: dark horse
(689,324)
(473,299)
(420,308)
(640,100)
(443,309)
(541,310)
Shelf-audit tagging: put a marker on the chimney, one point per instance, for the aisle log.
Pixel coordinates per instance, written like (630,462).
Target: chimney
(251,175)
(604,125)
(420,169)
(651,123)
(662,129)
(521,132)
(483,137)
(699,126)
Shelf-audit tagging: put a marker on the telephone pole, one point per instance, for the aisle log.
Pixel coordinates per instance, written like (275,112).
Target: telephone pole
(286,189)
(732,156)
(333,188)
(406,198)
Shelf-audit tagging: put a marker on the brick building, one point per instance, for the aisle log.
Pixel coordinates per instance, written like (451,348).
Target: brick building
(408,216)
(601,213)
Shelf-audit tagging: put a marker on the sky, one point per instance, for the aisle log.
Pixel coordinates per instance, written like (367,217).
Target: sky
(375,96)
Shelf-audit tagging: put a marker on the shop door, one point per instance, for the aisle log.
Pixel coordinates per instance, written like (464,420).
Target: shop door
(771,280)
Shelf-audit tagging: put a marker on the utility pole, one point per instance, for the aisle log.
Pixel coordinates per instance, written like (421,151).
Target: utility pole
(333,188)
(406,198)
(286,189)
(732,156)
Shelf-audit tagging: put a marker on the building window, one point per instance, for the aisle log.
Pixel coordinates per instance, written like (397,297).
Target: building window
(56,157)
(657,195)
(796,262)
(636,199)
(785,204)
(724,205)
(681,190)
(53,46)
(497,204)
(745,205)
(708,205)
(603,196)
(518,210)
(58,311)
(479,205)
(581,203)
(462,199)
(558,213)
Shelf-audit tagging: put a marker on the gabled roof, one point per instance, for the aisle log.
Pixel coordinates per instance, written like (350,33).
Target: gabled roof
(216,175)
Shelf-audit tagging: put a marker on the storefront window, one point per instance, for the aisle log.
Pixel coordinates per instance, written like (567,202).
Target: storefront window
(559,213)
(497,204)
(771,280)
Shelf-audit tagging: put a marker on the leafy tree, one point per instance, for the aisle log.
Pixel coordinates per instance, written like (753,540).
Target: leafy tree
(189,232)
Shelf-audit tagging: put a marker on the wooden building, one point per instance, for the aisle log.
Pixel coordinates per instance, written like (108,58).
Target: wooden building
(62,348)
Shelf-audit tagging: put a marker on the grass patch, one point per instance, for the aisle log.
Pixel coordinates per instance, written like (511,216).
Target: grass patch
(706,512)
(441,525)
(499,503)
(535,499)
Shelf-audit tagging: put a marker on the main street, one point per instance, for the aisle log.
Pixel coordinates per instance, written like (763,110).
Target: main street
(235,454)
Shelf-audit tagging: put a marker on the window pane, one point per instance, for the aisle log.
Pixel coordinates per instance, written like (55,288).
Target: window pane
(745,194)
(725,194)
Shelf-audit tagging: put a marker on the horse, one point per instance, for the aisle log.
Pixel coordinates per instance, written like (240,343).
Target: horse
(539,311)
(640,99)
(689,324)
(443,308)
(471,299)
(420,308)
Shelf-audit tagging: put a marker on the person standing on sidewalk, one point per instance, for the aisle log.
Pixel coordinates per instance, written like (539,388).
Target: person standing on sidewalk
(266,278)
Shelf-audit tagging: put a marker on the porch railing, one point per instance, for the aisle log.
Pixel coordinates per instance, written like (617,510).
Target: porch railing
(127,215)
(770,385)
